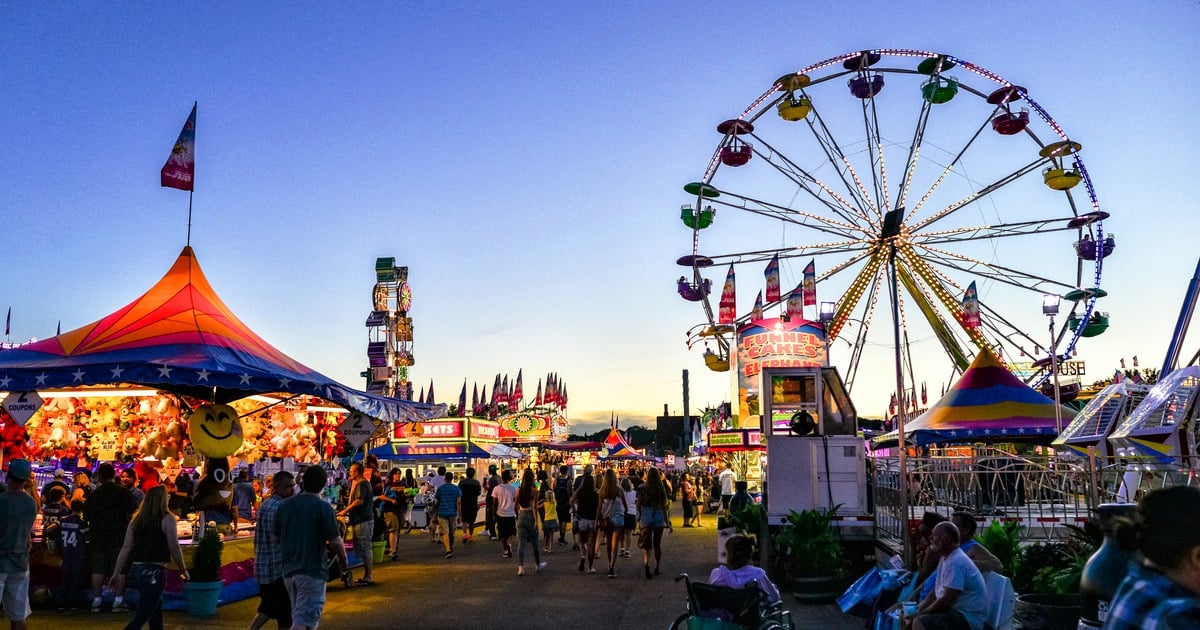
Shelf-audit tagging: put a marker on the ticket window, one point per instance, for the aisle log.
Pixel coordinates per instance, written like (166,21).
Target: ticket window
(787,394)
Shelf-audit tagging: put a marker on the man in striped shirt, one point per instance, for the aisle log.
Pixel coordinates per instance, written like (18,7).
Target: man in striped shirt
(268,557)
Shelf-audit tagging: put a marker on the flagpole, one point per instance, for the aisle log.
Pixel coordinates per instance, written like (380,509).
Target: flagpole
(189,227)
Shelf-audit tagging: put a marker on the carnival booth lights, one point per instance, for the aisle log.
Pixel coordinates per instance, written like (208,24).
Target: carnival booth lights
(197,370)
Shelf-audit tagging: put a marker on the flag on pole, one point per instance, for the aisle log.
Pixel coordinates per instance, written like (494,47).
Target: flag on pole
(462,400)
(421,397)
(518,391)
(810,283)
(8,322)
(892,404)
(1136,377)
(772,275)
(795,303)
(502,397)
(970,314)
(430,401)
(924,396)
(180,169)
(727,311)
(1135,361)
(1118,376)
(538,401)
(757,311)
(58,331)
(1122,363)
(475,398)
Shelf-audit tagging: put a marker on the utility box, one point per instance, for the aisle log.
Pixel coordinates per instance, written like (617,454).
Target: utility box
(805,473)
(815,459)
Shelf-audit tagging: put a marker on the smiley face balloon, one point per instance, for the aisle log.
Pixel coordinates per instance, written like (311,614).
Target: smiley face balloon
(215,430)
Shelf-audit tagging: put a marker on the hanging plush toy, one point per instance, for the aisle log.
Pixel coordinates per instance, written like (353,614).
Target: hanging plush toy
(215,490)
(215,430)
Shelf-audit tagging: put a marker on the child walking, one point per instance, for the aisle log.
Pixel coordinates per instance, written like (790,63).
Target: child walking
(549,520)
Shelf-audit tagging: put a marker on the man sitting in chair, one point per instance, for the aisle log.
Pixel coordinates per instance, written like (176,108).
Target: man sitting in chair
(959,597)
(738,572)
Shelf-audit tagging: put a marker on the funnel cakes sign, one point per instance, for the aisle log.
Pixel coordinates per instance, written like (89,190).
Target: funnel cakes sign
(773,343)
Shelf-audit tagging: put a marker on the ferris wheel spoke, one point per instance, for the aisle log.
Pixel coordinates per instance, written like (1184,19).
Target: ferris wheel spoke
(788,215)
(999,273)
(841,164)
(925,304)
(949,168)
(860,336)
(914,152)
(804,179)
(845,305)
(878,194)
(764,255)
(1000,230)
(976,196)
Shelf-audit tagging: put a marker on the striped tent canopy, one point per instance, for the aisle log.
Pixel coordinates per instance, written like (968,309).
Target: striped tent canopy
(987,404)
(615,447)
(181,338)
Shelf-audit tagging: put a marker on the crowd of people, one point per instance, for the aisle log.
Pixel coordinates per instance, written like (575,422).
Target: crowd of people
(112,529)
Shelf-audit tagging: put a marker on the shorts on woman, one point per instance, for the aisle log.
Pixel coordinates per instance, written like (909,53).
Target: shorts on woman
(653,517)
(585,524)
(630,521)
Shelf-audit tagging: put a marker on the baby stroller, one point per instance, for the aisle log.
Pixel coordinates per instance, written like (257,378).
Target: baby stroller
(724,608)
(332,570)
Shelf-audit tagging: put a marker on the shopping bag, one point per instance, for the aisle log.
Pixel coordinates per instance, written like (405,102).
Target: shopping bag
(862,593)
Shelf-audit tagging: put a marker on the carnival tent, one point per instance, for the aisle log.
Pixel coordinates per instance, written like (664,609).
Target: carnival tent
(181,338)
(614,446)
(987,404)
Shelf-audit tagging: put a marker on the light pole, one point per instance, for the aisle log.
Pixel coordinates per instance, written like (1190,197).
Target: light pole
(1050,309)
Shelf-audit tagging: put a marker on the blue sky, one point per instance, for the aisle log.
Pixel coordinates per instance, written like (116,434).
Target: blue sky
(524,160)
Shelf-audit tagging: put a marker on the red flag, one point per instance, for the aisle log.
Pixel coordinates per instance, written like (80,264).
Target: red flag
(772,275)
(757,312)
(518,391)
(475,398)
(810,283)
(795,303)
(727,311)
(180,169)
(462,400)
(502,397)
(430,401)
(538,400)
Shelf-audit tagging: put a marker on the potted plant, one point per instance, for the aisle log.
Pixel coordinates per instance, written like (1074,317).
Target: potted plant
(1046,577)
(379,536)
(809,554)
(203,590)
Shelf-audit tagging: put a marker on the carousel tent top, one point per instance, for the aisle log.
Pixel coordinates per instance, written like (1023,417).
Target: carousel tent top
(987,404)
(180,337)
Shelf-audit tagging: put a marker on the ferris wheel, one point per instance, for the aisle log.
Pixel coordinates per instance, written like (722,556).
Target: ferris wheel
(921,158)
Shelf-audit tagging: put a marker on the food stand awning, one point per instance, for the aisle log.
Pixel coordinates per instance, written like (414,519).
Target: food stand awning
(181,338)
(457,451)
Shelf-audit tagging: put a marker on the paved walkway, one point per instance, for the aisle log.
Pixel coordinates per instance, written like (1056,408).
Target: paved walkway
(480,589)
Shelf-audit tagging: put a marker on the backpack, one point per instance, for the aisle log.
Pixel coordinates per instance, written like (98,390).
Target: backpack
(562,490)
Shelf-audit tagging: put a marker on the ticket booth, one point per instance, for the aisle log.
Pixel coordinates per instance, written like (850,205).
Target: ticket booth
(815,459)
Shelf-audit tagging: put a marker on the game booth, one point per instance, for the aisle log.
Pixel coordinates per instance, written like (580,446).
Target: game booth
(175,381)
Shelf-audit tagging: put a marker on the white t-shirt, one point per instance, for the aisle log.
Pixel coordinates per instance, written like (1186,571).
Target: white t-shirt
(505,496)
(739,578)
(956,571)
(631,503)
(726,478)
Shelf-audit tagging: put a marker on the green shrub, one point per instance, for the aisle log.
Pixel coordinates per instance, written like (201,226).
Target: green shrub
(206,561)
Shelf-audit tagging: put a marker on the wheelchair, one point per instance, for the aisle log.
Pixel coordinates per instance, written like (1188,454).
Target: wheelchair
(723,608)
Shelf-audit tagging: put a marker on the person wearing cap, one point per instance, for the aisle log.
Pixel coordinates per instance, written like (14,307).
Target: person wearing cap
(17,513)
(57,482)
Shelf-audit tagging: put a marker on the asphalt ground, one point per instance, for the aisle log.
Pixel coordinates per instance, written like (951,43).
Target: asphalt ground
(478,588)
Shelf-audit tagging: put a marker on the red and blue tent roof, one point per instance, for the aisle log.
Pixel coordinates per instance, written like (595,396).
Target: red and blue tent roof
(987,404)
(614,446)
(180,337)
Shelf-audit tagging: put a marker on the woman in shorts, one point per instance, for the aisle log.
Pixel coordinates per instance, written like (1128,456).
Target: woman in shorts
(586,503)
